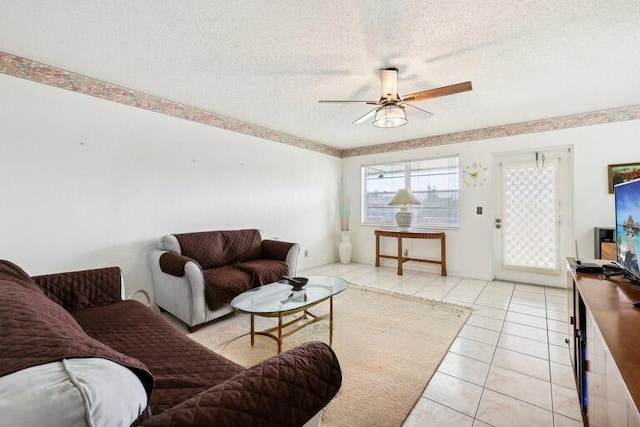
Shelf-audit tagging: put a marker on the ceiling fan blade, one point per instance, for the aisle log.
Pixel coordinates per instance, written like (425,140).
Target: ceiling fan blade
(366,116)
(413,106)
(389,83)
(362,102)
(437,92)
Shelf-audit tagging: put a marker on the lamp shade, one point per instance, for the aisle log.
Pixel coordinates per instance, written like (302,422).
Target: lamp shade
(404,197)
(390,117)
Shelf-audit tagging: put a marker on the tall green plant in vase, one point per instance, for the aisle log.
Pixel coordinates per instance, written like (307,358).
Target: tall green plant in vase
(345,212)
(344,206)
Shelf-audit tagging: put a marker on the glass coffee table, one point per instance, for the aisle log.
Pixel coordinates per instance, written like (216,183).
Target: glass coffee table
(278,299)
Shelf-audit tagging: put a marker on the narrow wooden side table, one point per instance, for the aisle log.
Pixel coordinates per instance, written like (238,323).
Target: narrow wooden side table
(399,235)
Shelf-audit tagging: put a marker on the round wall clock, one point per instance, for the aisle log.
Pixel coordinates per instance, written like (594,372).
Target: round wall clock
(475,174)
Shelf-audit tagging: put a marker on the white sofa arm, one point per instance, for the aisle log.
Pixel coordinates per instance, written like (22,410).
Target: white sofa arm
(292,259)
(181,296)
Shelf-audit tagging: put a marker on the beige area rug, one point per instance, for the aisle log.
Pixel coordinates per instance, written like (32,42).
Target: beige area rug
(389,345)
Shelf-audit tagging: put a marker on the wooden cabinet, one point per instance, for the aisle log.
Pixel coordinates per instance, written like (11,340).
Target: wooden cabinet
(604,342)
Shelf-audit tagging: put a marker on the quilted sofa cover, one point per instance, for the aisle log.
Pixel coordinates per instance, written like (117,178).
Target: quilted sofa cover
(196,275)
(189,385)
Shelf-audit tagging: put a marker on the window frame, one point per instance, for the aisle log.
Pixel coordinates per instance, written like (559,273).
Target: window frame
(407,175)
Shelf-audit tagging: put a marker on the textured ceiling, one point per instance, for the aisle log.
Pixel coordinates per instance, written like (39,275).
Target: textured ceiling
(268,63)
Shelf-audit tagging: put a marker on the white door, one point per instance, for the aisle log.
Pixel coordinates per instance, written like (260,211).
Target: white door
(533,211)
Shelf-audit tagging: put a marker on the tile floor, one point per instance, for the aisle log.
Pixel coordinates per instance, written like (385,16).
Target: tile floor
(508,366)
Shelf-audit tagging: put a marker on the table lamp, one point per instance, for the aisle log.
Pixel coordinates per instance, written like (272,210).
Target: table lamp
(405,199)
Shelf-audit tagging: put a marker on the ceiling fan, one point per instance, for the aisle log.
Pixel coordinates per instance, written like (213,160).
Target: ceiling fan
(390,107)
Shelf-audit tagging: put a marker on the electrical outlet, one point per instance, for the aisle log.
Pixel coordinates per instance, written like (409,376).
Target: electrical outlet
(479,210)
(306,254)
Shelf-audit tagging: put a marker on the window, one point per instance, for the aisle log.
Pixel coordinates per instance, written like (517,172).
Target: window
(433,181)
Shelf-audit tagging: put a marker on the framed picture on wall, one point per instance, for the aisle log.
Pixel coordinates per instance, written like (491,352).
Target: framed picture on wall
(622,172)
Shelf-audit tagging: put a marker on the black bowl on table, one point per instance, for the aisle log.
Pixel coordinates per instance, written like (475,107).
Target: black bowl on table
(298,283)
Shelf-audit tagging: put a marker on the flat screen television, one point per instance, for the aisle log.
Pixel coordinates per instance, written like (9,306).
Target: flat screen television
(627,199)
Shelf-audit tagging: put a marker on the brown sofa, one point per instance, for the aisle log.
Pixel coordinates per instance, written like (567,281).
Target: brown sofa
(196,275)
(80,316)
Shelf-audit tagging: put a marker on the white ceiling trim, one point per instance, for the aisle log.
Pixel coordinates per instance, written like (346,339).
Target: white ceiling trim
(611,115)
(31,70)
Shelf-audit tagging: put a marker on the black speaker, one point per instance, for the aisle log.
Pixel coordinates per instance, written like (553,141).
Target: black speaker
(604,243)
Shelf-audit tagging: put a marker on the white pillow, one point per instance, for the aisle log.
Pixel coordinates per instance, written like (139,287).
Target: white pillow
(90,392)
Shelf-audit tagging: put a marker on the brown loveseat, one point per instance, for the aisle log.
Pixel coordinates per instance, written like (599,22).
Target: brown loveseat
(196,275)
(80,317)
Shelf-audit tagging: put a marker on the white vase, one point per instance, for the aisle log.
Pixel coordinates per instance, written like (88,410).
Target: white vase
(344,248)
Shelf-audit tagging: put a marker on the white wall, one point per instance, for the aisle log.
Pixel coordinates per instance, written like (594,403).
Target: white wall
(89,183)
(469,248)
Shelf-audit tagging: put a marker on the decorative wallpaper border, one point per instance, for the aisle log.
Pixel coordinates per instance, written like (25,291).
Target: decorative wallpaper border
(37,72)
(30,70)
(555,123)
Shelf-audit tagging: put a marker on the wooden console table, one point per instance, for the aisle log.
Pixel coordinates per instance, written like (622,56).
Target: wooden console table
(604,345)
(399,235)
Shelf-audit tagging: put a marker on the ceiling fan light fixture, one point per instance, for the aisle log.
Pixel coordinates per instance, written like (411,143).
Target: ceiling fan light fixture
(390,116)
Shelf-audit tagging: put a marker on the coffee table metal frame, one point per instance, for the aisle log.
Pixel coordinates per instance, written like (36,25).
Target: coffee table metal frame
(277,333)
